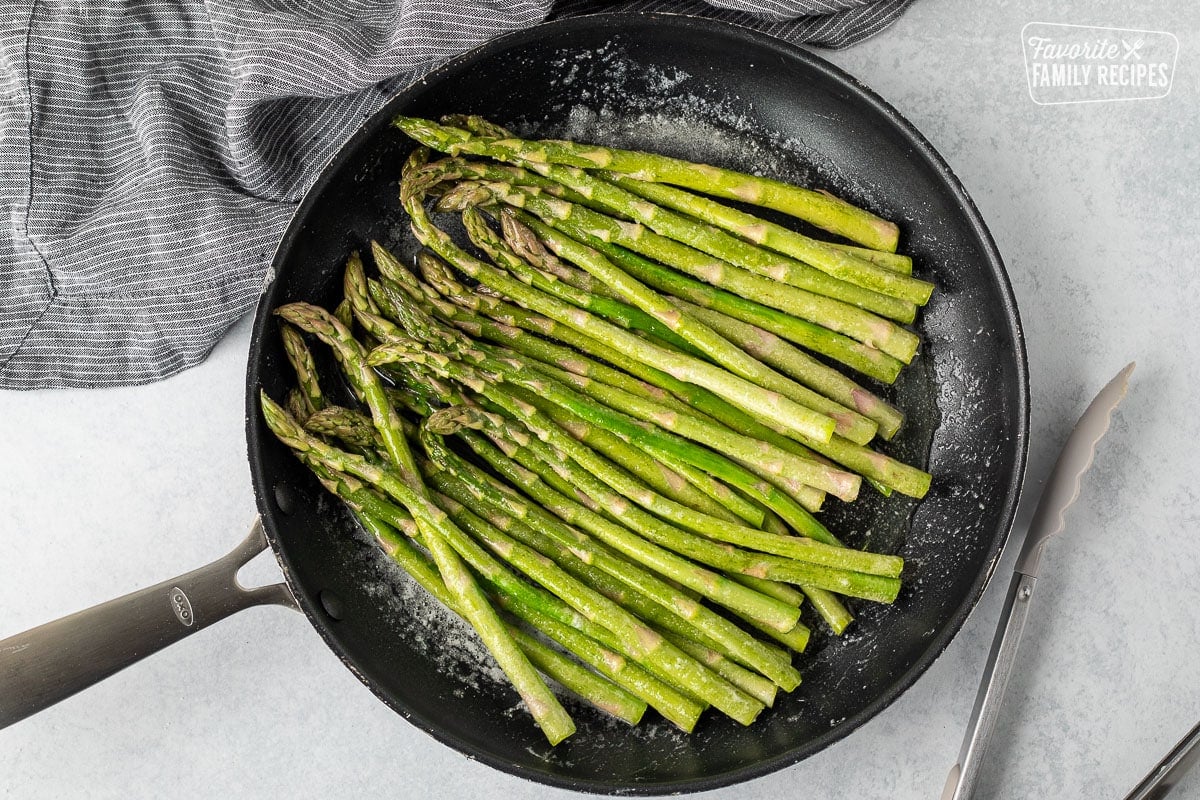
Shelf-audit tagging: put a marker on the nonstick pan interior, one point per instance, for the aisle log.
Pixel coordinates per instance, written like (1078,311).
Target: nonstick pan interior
(705,91)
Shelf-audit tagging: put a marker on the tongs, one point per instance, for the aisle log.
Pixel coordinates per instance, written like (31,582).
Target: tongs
(1062,489)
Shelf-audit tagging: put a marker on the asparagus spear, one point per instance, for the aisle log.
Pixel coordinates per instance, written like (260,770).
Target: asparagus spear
(505,330)
(575,550)
(597,691)
(627,316)
(675,706)
(699,400)
(300,357)
(711,527)
(579,222)
(780,591)
(343,313)
(830,608)
(549,714)
(819,208)
(703,550)
(457,169)
(737,390)
(539,481)
(634,593)
(613,199)
(635,688)
(903,478)
(366,383)
(640,640)
(476,124)
(894,261)
(296,405)
(537,607)
(787,358)
(751,683)
(523,231)
(863,358)
(350,426)
(850,423)
(354,283)
(841,484)
(391,269)
(707,341)
(847,266)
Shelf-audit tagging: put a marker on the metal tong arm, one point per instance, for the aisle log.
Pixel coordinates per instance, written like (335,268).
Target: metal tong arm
(1167,774)
(996,672)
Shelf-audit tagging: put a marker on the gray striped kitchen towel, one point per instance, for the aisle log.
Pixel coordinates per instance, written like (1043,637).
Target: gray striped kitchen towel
(154,150)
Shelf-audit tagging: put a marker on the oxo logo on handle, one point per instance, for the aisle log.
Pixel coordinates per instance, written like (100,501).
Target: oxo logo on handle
(182,606)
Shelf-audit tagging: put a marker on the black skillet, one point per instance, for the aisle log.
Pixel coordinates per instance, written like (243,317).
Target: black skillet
(706,91)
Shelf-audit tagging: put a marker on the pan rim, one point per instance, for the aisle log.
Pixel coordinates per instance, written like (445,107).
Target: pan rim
(922,148)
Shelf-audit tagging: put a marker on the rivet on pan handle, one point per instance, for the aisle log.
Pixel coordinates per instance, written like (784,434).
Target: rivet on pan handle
(54,661)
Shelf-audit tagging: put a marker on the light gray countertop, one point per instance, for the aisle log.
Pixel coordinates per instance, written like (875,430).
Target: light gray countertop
(1094,208)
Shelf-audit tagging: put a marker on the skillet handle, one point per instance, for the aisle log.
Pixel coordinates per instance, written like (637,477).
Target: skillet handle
(54,661)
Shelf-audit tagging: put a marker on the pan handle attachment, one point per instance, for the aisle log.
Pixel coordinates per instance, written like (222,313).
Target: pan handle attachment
(54,661)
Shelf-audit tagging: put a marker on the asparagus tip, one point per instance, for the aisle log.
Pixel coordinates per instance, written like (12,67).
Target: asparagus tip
(451,420)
